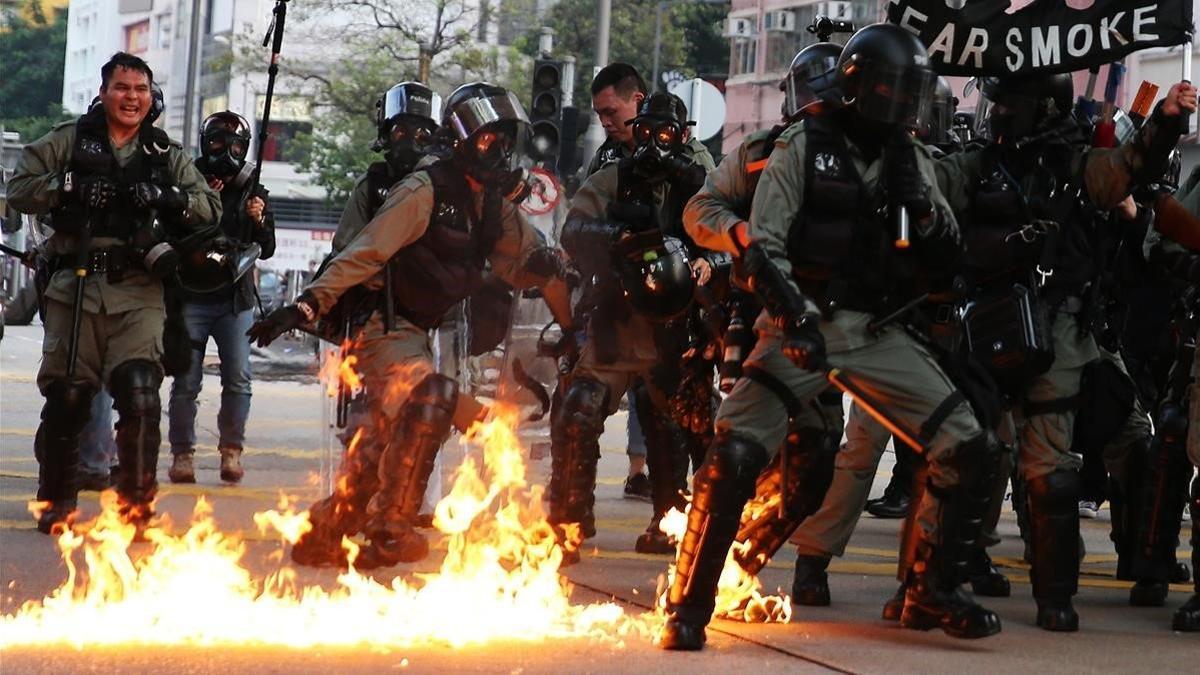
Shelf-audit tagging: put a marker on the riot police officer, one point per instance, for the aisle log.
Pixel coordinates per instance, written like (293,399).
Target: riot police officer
(624,234)
(406,120)
(438,227)
(226,312)
(125,201)
(714,217)
(816,226)
(1030,200)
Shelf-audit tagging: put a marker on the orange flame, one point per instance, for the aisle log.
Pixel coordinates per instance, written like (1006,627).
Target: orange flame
(739,594)
(339,369)
(499,579)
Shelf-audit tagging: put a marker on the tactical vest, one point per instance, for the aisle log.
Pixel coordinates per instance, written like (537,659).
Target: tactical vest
(380,180)
(92,156)
(840,251)
(1002,248)
(446,264)
(756,163)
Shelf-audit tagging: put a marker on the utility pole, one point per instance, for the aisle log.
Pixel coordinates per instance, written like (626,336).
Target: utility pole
(191,105)
(424,62)
(594,137)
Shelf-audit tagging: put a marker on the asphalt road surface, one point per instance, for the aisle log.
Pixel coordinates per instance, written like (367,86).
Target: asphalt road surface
(285,438)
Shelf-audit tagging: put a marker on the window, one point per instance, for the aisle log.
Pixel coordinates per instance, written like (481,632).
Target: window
(290,116)
(137,37)
(744,56)
(164,30)
(781,48)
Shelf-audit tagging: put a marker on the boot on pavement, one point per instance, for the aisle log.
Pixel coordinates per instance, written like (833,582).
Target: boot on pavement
(231,465)
(183,469)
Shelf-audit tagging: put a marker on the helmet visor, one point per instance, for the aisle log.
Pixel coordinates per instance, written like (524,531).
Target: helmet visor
(804,84)
(899,95)
(473,114)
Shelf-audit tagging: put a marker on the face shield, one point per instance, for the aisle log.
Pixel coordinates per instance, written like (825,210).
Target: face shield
(891,94)
(801,84)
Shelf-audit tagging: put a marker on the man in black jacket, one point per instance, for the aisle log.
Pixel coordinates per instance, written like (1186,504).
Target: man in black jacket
(224,314)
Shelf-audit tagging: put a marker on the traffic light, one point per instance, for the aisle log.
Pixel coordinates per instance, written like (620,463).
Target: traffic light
(546,109)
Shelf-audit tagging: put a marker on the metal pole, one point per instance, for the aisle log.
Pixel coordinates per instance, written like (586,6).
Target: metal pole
(595,131)
(1187,76)
(424,62)
(658,21)
(189,104)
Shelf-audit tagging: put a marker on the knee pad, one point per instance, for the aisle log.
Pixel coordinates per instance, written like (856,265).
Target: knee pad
(735,458)
(583,409)
(68,406)
(1056,491)
(431,404)
(134,385)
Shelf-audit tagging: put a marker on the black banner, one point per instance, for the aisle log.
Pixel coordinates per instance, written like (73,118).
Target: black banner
(980,37)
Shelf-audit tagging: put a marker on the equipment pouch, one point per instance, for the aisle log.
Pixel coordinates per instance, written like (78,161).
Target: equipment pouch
(1009,333)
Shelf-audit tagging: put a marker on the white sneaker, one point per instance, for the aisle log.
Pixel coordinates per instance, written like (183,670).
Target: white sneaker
(1088,509)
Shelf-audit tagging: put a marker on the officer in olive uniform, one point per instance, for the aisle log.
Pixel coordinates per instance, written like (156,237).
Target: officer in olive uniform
(438,228)
(118,191)
(406,120)
(717,214)
(1030,199)
(624,232)
(816,227)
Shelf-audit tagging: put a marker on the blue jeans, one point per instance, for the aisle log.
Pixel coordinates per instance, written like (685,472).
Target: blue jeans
(228,329)
(97,447)
(633,428)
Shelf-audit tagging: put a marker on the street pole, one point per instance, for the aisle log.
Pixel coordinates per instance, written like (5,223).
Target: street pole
(424,62)
(658,20)
(190,104)
(1187,76)
(594,137)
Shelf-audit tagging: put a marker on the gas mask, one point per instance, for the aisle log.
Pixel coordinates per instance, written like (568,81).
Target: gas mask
(658,147)
(222,153)
(493,156)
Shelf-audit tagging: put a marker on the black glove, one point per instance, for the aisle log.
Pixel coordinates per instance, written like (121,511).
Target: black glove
(94,192)
(169,199)
(286,318)
(803,343)
(904,183)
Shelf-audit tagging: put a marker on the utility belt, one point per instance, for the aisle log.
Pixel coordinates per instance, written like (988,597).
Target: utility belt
(113,261)
(834,294)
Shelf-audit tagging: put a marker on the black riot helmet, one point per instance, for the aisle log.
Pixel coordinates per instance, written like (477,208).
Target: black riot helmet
(655,274)
(938,126)
(808,88)
(406,119)
(885,77)
(224,143)
(660,129)
(1024,104)
(488,130)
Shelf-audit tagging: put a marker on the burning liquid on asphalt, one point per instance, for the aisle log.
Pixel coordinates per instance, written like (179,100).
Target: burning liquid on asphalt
(499,580)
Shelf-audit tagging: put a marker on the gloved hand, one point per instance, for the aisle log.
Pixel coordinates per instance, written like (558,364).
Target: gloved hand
(289,317)
(151,196)
(803,343)
(94,192)
(904,183)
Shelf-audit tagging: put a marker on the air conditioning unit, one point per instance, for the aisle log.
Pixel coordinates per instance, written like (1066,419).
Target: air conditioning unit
(836,9)
(781,21)
(739,27)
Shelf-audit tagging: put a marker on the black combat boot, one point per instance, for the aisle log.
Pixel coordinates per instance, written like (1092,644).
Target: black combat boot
(405,466)
(342,514)
(135,387)
(64,415)
(720,491)
(1187,617)
(934,598)
(1164,492)
(575,435)
(810,585)
(894,607)
(985,579)
(667,466)
(1054,536)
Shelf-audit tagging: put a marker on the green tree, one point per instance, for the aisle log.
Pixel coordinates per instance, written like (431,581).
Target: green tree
(691,38)
(32,49)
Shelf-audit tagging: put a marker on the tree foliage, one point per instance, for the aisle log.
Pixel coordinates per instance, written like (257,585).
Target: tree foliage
(32,49)
(691,39)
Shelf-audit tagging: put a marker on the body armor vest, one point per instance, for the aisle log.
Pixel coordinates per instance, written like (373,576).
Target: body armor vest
(1022,220)
(840,251)
(446,264)
(380,180)
(92,156)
